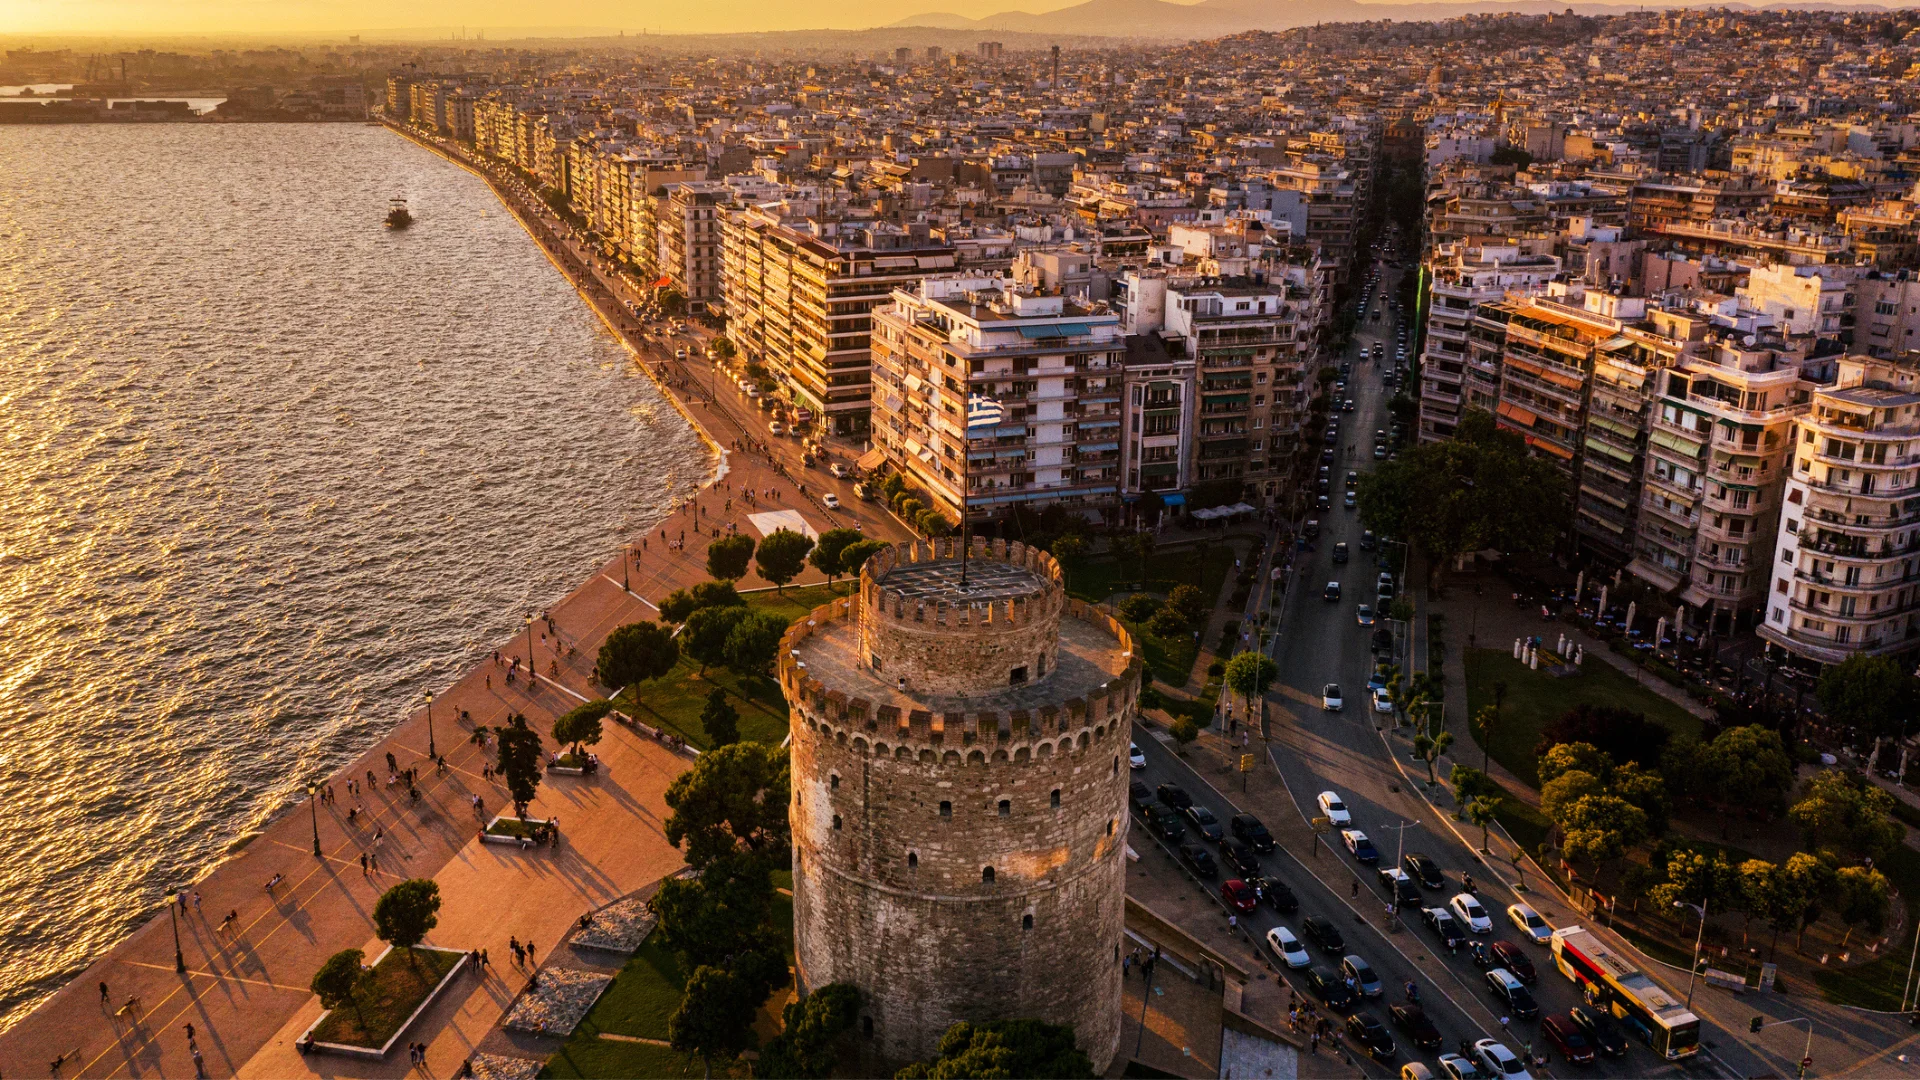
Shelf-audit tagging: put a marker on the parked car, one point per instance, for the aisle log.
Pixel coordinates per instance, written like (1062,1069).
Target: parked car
(1359,846)
(1566,1037)
(1470,913)
(1140,795)
(1509,956)
(1165,823)
(1276,894)
(1200,861)
(1175,796)
(1382,699)
(1321,931)
(1330,988)
(1418,1027)
(1455,1067)
(1507,990)
(1204,822)
(1424,870)
(1368,1032)
(1239,895)
(1599,1030)
(1248,828)
(1287,948)
(1364,980)
(1239,857)
(1333,809)
(1399,886)
(1444,926)
(1331,699)
(1499,1062)
(1530,923)
(1136,757)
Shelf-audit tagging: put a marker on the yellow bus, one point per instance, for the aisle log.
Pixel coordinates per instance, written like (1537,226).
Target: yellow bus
(1614,984)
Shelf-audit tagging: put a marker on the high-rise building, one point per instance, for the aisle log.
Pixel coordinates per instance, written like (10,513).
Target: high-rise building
(1465,276)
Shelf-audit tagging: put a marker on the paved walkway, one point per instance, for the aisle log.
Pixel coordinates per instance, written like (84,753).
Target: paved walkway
(245,987)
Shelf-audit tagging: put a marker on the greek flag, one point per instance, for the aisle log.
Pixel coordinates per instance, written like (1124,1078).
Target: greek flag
(983,413)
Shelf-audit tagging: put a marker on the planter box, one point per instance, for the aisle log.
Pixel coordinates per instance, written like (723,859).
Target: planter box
(377,1054)
(564,769)
(492,837)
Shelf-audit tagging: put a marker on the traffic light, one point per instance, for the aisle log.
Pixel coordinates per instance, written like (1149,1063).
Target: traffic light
(1755,1024)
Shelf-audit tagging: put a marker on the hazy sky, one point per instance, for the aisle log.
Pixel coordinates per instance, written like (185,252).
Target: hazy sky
(499,17)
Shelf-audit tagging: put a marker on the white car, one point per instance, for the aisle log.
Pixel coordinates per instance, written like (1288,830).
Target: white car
(1287,947)
(1530,923)
(1466,907)
(1136,757)
(839,471)
(830,501)
(680,353)
(1456,1067)
(1499,1062)
(1382,700)
(776,428)
(1365,615)
(1330,698)
(1334,810)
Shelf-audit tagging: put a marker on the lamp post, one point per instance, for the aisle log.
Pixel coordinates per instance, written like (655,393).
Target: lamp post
(431,752)
(1693,974)
(1806,1056)
(626,568)
(529,651)
(173,908)
(1399,853)
(313,804)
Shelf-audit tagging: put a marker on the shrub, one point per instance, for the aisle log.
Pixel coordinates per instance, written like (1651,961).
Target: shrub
(1139,608)
(1167,622)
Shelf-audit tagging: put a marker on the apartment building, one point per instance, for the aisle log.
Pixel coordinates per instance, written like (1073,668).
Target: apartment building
(1846,578)
(1159,414)
(687,232)
(799,296)
(1054,364)
(1466,275)
(1886,314)
(1717,457)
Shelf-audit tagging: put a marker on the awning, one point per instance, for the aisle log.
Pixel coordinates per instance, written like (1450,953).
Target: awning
(1675,443)
(1101,446)
(1056,330)
(871,459)
(1517,414)
(1172,498)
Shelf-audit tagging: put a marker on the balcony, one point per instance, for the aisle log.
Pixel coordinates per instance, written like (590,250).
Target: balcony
(1826,648)
(1690,434)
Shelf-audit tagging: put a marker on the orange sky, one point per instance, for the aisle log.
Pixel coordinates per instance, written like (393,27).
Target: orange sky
(499,17)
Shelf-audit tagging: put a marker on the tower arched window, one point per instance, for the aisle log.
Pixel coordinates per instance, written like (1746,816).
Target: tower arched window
(986,875)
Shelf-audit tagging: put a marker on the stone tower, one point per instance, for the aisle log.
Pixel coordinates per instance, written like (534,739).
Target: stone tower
(959,797)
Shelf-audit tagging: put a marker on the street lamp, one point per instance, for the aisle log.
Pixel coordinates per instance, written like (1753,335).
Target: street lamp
(529,651)
(1806,1056)
(1693,975)
(1399,853)
(431,752)
(626,567)
(313,804)
(173,908)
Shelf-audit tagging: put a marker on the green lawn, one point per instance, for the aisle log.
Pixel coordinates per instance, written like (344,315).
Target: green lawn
(1096,578)
(675,703)
(799,600)
(1878,985)
(514,827)
(595,1057)
(401,982)
(641,998)
(1535,699)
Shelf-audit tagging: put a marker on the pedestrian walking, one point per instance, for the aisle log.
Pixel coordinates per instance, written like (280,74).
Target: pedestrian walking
(1126,965)
(363,864)
(196,901)
(199,1065)
(103,993)
(1356,889)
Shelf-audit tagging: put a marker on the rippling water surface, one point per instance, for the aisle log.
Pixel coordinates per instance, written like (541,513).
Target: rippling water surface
(267,472)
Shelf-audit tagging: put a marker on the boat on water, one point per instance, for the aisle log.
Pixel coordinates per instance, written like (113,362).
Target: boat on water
(397,215)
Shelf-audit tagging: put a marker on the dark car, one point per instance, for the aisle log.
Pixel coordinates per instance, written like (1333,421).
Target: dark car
(1276,894)
(1320,930)
(1567,1037)
(1444,925)
(1239,857)
(1173,795)
(1248,828)
(1340,553)
(1140,795)
(1200,859)
(1419,1029)
(1424,870)
(1330,987)
(1239,895)
(1367,540)
(1599,1030)
(1165,823)
(1400,886)
(1204,822)
(1507,990)
(1508,955)
(1372,1034)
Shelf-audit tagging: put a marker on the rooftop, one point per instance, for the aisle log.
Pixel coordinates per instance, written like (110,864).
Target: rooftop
(986,579)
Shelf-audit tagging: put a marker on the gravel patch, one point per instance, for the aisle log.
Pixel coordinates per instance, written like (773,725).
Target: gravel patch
(557,1007)
(618,928)
(501,1067)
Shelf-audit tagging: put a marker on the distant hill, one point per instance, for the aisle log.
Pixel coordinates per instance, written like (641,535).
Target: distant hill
(1214,18)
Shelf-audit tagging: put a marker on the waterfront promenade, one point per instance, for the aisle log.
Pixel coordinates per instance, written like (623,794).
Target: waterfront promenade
(244,989)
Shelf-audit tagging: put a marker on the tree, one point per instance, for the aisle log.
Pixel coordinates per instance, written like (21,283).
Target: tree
(1645,789)
(681,603)
(634,653)
(580,725)
(727,557)
(1139,607)
(719,719)
(723,918)
(1600,828)
(1070,547)
(1184,731)
(1695,877)
(825,555)
(1167,622)
(1249,674)
(754,643)
(1141,545)
(1190,602)
(811,1029)
(1861,895)
(733,799)
(519,762)
(1558,795)
(406,913)
(1470,783)
(1806,879)
(1622,734)
(854,556)
(1872,693)
(932,522)
(1683,763)
(1510,155)
(781,555)
(1749,767)
(1480,489)
(1842,813)
(339,980)
(1004,1048)
(1482,812)
(704,637)
(715,1017)
(1428,748)
(1570,757)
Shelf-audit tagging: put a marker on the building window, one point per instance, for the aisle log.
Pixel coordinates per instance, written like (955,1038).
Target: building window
(866,1026)
(833,781)
(986,875)
(1055,798)
(946,808)
(1109,826)
(1006,807)
(836,823)
(1026,922)
(1017,676)
(913,860)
